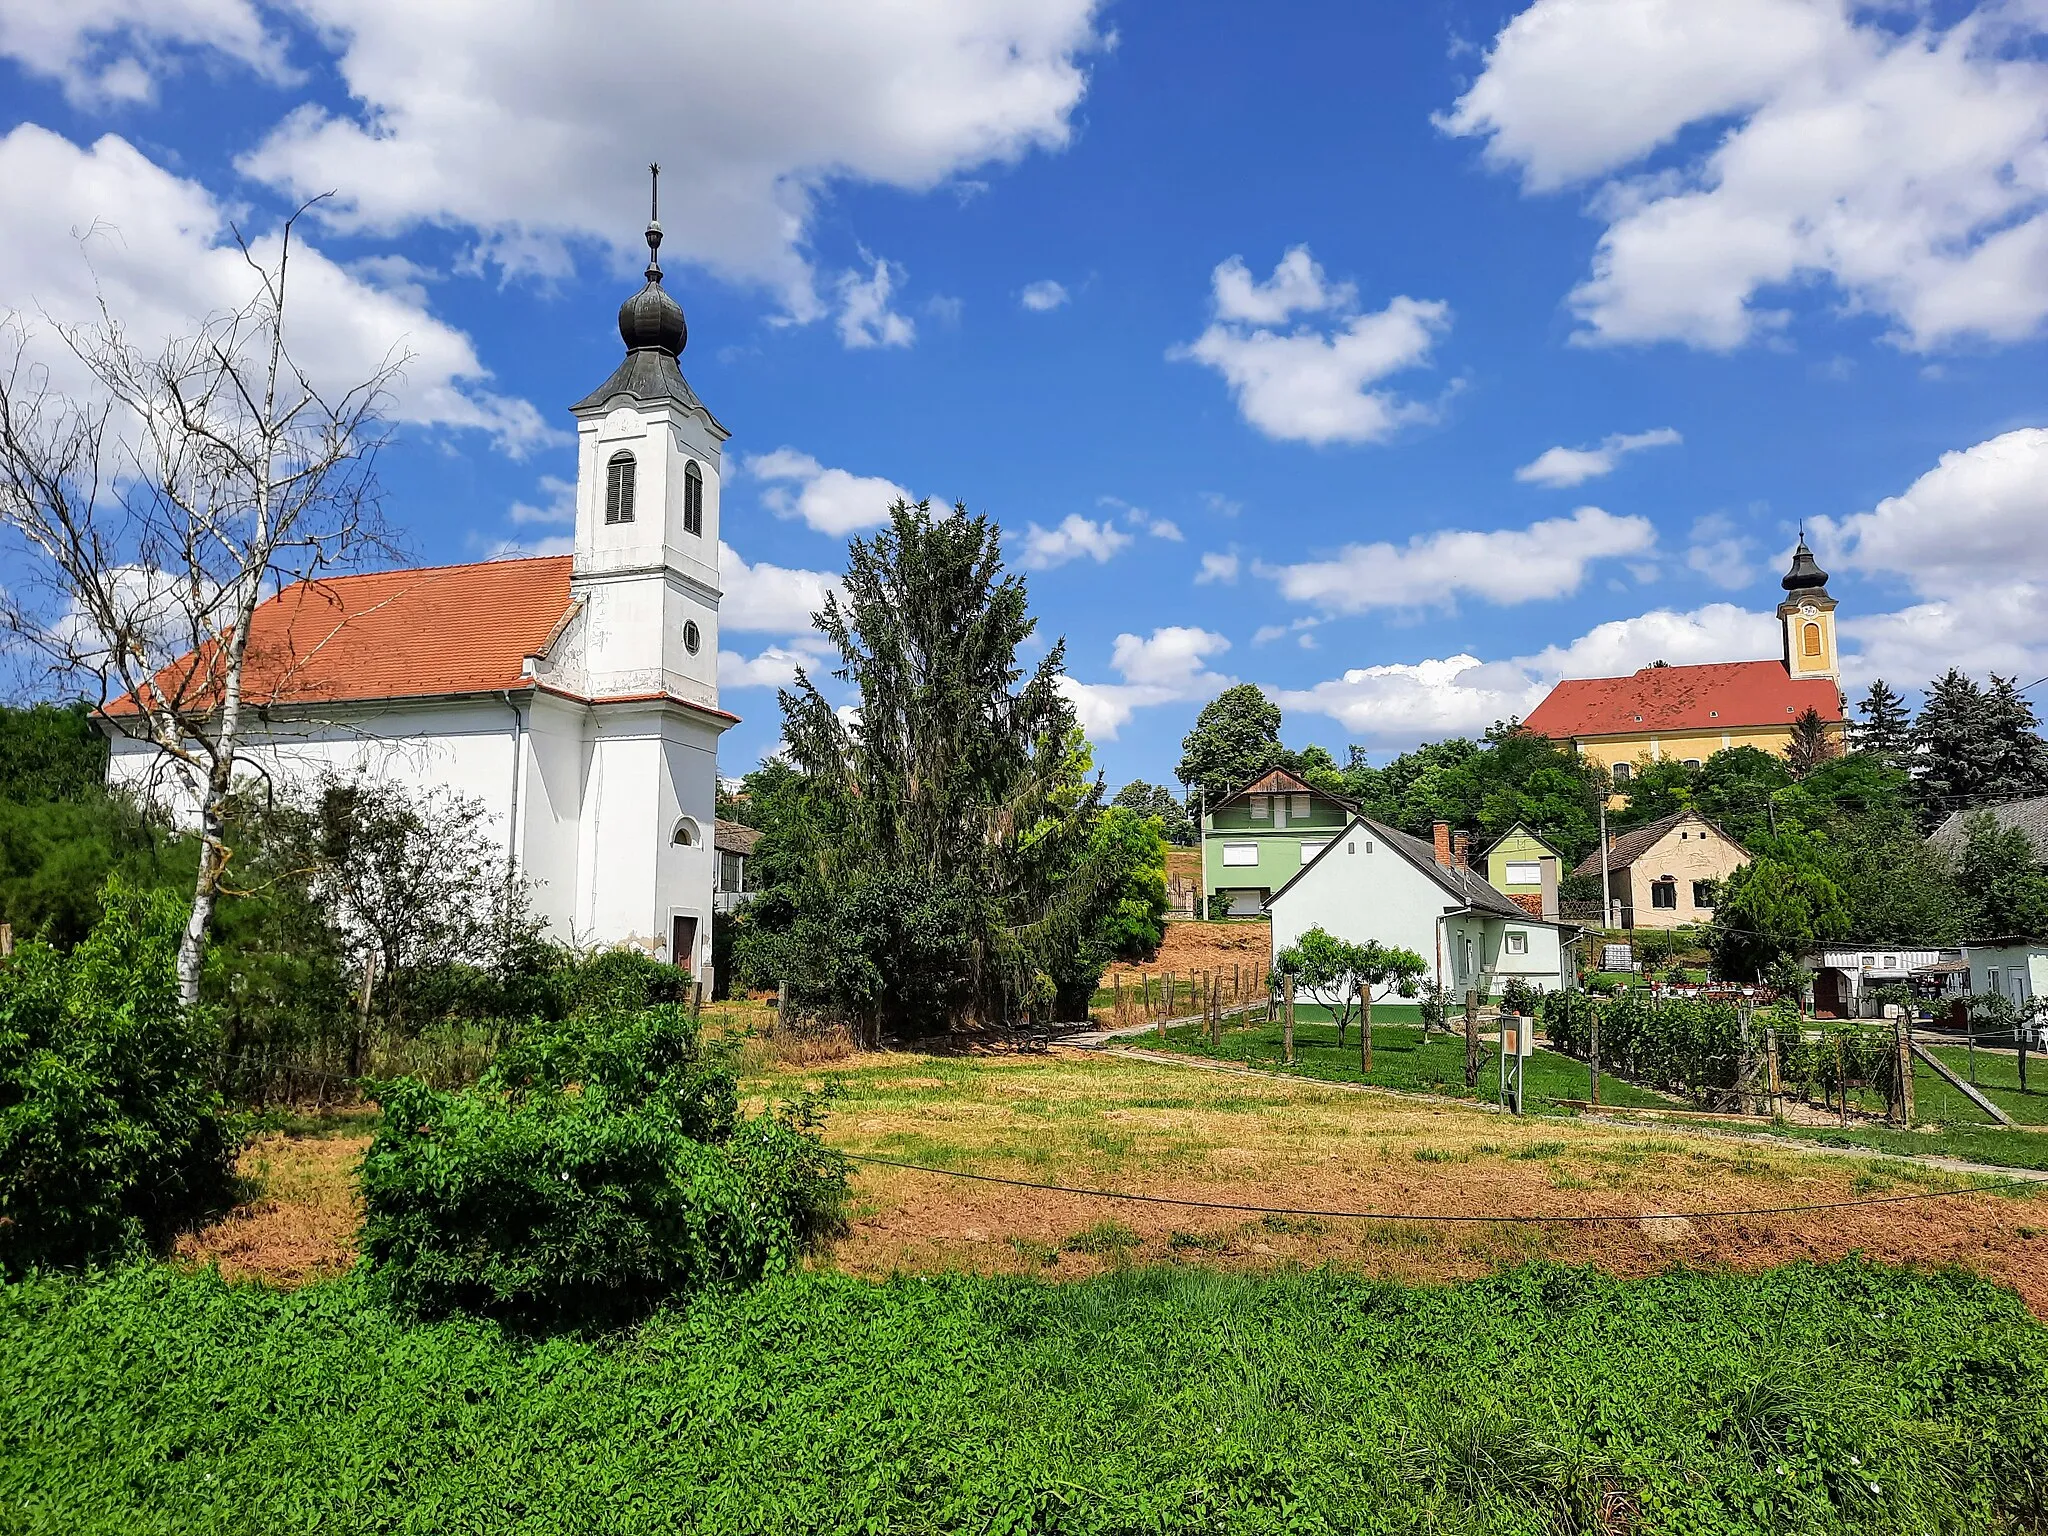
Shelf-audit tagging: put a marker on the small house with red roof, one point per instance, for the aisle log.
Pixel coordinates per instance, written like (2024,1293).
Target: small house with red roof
(1690,713)
(575,697)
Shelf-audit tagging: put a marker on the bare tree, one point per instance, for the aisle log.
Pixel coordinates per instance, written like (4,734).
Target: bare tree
(161,504)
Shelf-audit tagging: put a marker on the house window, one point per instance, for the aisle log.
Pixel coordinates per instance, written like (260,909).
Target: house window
(1518,942)
(1891,962)
(1262,808)
(1623,773)
(1664,893)
(730,872)
(618,488)
(1703,894)
(1692,762)
(1240,855)
(693,498)
(1809,641)
(1524,872)
(1310,850)
(686,834)
(1297,805)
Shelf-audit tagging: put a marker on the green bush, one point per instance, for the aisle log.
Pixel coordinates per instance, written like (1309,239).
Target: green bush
(111,1136)
(619,981)
(598,1168)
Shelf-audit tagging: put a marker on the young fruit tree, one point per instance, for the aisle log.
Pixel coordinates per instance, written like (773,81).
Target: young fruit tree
(159,504)
(1342,975)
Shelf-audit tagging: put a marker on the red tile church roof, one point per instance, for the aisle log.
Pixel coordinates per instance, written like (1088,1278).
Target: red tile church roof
(391,634)
(1721,696)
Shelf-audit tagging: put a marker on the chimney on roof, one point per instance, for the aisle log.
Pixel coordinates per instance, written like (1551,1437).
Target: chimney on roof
(1461,849)
(1443,842)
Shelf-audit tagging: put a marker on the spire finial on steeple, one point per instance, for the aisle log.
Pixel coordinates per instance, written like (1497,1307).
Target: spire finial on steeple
(653,272)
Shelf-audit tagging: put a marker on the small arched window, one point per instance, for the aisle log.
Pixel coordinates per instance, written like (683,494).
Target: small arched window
(1810,640)
(693,498)
(618,488)
(686,834)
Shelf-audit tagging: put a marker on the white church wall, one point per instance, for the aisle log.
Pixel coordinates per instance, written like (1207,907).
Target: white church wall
(551,811)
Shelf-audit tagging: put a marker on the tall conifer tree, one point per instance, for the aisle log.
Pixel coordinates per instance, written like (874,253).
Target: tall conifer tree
(1887,728)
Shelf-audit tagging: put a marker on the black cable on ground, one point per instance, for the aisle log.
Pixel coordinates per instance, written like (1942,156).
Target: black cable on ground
(1993,1187)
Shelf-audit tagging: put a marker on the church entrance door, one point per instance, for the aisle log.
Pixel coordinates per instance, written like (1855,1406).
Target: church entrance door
(682,948)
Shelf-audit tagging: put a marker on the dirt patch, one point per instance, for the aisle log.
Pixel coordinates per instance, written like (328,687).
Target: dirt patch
(1190,947)
(301,1221)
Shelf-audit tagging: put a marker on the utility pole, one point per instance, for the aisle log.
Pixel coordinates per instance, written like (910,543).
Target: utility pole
(1606,890)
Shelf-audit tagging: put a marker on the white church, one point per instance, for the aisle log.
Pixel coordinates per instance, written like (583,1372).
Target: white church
(576,697)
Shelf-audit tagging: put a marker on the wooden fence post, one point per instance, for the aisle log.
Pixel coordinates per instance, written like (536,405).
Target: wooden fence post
(1771,1069)
(1287,1010)
(1472,1039)
(1905,1050)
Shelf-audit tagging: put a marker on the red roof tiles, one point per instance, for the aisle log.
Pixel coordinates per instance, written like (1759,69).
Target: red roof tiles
(1720,696)
(394,634)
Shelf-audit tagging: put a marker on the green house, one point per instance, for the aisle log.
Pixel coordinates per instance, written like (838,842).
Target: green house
(1258,839)
(1514,867)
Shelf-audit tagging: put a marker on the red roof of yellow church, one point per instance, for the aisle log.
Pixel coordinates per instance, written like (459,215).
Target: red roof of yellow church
(392,634)
(1720,696)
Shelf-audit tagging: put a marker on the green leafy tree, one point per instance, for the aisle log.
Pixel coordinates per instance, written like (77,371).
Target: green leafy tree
(51,752)
(1488,786)
(1342,976)
(111,1131)
(1132,854)
(2003,890)
(1656,789)
(1236,738)
(1736,791)
(1317,767)
(1887,729)
(1156,800)
(1812,743)
(1774,906)
(945,869)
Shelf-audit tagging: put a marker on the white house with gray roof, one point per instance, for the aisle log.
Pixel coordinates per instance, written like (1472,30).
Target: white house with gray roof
(1373,882)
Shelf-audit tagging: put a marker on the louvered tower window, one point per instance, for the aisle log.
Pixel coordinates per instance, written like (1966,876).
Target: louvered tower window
(693,499)
(618,489)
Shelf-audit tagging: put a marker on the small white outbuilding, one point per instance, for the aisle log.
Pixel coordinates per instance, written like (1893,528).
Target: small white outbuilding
(1374,882)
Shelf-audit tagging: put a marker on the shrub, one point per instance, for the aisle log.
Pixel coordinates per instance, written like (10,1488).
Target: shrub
(111,1136)
(1517,996)
(598,1168)
(620,981)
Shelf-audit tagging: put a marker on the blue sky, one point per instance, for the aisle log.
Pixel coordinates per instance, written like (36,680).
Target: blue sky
(1257,339)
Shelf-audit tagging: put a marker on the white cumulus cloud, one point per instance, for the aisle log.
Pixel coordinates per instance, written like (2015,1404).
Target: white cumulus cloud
(1509,565)
(1218,567)
(865,318)
(532,125)
(833,501)
(1075,537)
(1314,383)
(1171,665)
(1903,162)
(114,51)
(1043,295)
(1561,467)
(108,221)
(766,597)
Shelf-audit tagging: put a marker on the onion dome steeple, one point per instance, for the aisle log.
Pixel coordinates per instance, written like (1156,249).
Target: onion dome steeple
(651,317)
(1805,574)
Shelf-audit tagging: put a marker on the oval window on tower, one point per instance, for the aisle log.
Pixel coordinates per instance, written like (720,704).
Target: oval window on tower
(1810,640)
(691,637)
(693,499)
(618,488)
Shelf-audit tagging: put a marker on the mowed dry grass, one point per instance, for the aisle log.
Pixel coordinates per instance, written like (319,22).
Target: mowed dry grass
(1190,947)
(1110,1122)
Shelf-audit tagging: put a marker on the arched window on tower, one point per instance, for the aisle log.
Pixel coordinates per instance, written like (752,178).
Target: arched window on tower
(1809,640)
(618,488)
(693,498)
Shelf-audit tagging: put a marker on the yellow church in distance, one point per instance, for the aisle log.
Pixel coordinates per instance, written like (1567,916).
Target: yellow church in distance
(1690,713)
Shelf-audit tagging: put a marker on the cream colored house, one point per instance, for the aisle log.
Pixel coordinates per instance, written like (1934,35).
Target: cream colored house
(1665,874)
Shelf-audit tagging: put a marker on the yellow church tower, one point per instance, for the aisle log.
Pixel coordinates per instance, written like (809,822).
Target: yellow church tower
(1807,616)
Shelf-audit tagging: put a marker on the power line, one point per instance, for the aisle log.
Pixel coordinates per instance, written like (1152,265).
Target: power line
(1574,1220)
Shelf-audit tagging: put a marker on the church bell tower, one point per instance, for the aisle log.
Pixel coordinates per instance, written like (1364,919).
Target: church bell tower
(1807,616)
(647,472)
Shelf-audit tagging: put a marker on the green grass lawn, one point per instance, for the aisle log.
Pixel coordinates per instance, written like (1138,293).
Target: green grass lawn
(1847,1398)
(1402,1058)
(1998,1078)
